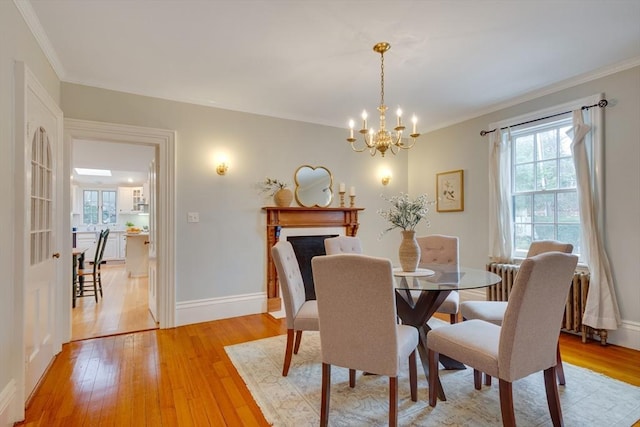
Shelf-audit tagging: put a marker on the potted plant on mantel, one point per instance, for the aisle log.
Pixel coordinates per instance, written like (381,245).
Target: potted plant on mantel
(406,214)
(277,189)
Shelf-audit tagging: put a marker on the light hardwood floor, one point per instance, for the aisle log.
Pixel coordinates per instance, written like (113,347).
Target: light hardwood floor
(123,307)
(183,377)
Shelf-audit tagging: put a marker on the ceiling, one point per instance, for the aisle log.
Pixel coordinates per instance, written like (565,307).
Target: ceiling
(128,163)
(313,60)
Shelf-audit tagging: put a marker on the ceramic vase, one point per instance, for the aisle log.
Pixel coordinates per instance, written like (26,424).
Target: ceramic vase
(409,252)
(283,197)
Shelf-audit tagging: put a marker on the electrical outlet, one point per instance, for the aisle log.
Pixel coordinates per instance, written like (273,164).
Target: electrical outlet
(193,217)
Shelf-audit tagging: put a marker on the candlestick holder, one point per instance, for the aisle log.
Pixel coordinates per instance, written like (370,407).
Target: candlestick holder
(352,200)
(342,199)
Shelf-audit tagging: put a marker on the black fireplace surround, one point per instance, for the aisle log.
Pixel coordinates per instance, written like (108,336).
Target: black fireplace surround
(305,248)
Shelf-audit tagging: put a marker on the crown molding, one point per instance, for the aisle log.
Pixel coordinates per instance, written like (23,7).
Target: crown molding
(32,21)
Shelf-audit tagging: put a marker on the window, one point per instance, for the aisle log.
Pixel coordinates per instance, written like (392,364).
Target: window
(543,186)
(99,207)
(533,183)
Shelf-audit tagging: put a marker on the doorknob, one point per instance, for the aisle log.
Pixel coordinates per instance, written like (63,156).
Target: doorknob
(146,242)
(56,254)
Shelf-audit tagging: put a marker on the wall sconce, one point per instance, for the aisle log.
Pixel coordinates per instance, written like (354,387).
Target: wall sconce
(386,178)
(222,168)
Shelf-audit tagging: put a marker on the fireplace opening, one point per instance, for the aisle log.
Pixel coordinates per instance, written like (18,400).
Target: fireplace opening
(305,248)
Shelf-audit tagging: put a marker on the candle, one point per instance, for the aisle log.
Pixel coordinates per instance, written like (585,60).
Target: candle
(352,191)
(364,119)
(342,190)
(351,124)
(414,119)
(399,113)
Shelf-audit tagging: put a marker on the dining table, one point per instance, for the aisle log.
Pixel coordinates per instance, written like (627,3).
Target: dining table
(420,293)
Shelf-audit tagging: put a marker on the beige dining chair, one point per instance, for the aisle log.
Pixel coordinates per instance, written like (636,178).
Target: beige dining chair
(441,249)
(525,343)
(301,315)
(493,311)
(358,330)
(342,245)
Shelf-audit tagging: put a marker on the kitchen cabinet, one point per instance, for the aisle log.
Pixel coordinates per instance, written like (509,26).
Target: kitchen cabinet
(87,240)
(111,249)
(137,259)
(130,199)
(122,250)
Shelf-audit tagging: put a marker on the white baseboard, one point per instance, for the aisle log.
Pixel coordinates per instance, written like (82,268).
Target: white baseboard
(205,310)
(7,400)
(627,335)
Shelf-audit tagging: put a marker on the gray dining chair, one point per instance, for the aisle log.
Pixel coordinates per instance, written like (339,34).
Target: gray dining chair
(441,249)
(525,343)
(301,315)
(493,311)
(358,330)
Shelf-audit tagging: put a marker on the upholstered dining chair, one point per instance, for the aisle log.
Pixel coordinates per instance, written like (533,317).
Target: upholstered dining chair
(358,330)
(301,315)
(441,249)
(493,311)
(92,275)
(525,343)
(342,245)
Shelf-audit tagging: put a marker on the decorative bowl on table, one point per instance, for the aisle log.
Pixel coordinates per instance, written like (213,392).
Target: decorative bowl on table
(134,230)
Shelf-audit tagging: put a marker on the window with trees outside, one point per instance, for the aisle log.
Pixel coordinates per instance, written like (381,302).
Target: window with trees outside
(543,186)
(99,207)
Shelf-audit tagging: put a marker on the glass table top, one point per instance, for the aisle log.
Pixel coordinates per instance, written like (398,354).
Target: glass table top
(435,277)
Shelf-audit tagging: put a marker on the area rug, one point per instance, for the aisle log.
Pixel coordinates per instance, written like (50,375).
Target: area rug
(588,399)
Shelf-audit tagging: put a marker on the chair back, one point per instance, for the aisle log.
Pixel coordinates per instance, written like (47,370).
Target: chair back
(290,278)
(342,245)
(105,235)
(532,320)
(538,247)
(99,249)
(357,312)
(438,249)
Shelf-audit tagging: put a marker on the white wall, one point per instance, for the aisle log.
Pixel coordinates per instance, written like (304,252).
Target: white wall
(225,253)
(16,44)
(461,147)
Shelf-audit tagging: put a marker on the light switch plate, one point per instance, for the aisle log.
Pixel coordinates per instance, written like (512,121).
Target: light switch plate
(193,217)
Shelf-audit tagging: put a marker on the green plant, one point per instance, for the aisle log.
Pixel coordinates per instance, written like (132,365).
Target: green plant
(270,186)
(129,224)
(404,212)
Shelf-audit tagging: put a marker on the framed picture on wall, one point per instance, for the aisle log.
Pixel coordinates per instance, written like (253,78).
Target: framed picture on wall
(450,191)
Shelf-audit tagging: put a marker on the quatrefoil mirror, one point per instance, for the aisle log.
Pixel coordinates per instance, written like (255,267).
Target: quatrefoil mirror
(313,186)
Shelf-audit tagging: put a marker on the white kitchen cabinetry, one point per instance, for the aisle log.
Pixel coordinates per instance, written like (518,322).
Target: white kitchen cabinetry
(130,199)
(87,240)
(123,246)
(111,249)
(137,259)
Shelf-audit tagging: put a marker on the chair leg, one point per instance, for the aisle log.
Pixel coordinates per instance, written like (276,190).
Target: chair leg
(413,376)
(393,401)
(352,378)
(506,403)
(95,287)
(553,397)
(477,379)
(99,279)
(453,318)
(487,379)
(326,391)
(559,367)
(434,359)
(298,339)
(287,353)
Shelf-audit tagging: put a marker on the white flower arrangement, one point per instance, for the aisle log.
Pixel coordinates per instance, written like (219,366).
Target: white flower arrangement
(404,212)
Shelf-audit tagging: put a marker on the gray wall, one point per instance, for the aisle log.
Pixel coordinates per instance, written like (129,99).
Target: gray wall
(16,44)
(225,253)
(461,147)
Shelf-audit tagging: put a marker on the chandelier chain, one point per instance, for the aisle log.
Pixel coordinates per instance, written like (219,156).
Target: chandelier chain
(382,78)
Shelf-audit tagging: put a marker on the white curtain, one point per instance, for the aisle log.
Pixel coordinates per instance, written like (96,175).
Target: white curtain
(601,311)
(499,200)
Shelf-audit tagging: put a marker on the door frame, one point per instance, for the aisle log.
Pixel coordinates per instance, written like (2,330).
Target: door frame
(164,142)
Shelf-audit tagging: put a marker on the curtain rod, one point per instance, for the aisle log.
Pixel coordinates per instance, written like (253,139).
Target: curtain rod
(603,103)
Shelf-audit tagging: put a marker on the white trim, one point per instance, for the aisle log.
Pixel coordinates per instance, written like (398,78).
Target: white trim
(7,401)
(208,309)
(627,335)
(165,141)
(31,19)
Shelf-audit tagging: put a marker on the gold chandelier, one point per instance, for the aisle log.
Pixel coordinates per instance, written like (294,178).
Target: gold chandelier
(382,139)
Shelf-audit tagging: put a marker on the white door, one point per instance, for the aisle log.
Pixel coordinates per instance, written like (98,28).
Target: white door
(42,156)
(153,264)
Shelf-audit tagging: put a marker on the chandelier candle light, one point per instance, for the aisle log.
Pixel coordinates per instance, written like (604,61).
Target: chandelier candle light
(382,140)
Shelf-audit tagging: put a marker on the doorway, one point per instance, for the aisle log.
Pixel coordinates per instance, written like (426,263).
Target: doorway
(162,143)
(110,190)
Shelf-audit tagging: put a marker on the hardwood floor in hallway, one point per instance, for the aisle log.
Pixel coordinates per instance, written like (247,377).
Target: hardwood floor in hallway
(123,308)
